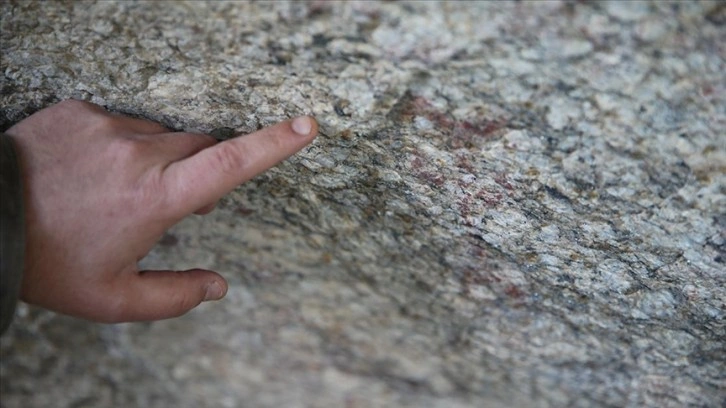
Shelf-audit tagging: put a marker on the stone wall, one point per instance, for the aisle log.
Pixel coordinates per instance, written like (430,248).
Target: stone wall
(510,204)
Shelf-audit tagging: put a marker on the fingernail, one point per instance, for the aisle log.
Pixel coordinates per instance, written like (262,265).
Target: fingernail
(214,291)
(302,125)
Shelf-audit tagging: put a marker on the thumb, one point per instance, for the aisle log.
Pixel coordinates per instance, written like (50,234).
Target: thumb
(155,295)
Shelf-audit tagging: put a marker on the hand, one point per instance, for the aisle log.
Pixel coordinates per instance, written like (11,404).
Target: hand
(101,189)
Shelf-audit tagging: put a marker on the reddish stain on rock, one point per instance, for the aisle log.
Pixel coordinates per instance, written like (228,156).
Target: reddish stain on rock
(482,127)
(501,179)
(424,169)
(476,252)
(463,133)
(513,291)
(432,178)
(468,203)
(417,163)
(463,163)
(489,197)
(475,277)
(464,205)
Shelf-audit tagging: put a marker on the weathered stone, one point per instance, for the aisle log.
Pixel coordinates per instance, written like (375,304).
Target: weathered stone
(510,204)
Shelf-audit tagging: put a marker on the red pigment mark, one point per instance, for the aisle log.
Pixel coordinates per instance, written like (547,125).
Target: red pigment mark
(440,119)
(481,278)
(501,179)
(475,277)
(419,103)
(463,163)
(464,133)
(464,184)
(465,208)
(476,252)
(432,178)
(466,136)
(513,291)
(468,203)
(428,173)
(488,197)
(482,127)
(416,163)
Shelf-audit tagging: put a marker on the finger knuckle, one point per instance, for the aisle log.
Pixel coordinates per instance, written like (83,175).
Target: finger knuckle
(180,303)
(279,142)
(230,159)
(150,196)
(128,150)
(116,310)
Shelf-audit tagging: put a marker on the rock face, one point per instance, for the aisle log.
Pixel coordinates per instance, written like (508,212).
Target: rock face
(510,204)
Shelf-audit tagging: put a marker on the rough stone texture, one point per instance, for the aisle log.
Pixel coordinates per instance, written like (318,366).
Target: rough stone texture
(511,204)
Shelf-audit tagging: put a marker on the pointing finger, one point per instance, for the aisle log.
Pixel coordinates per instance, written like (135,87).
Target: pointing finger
(211,173)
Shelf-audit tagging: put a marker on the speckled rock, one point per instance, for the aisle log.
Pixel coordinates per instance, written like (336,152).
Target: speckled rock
(510,204)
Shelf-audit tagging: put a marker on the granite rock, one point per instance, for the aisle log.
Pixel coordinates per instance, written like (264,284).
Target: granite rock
(510,204)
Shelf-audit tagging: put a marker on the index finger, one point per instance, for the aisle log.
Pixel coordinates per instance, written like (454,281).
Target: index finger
(211,173)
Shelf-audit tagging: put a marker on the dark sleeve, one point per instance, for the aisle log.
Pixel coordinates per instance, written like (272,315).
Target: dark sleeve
(12,230)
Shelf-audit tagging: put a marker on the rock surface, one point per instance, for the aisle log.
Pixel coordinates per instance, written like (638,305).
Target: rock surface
(511,204)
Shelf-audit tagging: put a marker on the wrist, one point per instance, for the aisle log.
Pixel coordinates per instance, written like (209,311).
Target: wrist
(12,230)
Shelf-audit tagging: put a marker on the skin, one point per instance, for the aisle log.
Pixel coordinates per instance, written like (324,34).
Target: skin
(101,189)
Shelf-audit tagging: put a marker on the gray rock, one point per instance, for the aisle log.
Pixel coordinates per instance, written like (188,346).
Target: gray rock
(510,204)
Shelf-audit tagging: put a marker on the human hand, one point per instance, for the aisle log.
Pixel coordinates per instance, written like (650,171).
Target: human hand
(101,189)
